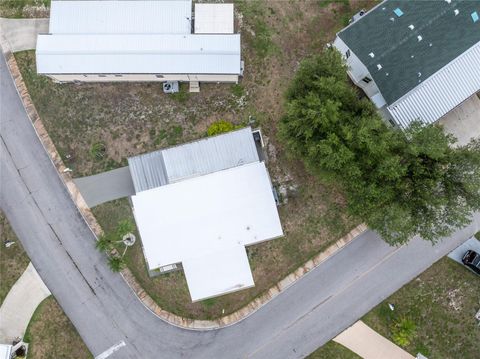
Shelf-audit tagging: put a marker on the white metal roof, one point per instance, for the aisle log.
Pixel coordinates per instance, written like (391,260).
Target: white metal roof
(5,351)
(210,154)
(441,92)
(214,18)
(120,17)
(138,54)
(227,271)
(202,217)
(196,158)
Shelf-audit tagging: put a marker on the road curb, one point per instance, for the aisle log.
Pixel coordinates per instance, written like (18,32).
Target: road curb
(127,275)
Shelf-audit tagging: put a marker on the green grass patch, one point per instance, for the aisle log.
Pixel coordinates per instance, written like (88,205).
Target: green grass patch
(13,260)
(182,95)
(332,350)
(50,334)
(434,313)
(259,34)
(237,90)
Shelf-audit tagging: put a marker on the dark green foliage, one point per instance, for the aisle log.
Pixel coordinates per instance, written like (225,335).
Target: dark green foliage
(400,183)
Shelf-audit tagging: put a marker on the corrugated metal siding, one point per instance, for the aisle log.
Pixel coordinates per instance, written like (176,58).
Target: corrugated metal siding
(210,155)
(135,54)
(441,92)
(120,17)
(193,159)
(148,171)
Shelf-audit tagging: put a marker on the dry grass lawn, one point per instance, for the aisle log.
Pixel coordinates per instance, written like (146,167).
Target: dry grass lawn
(442,303)
(50,334)
(13,260)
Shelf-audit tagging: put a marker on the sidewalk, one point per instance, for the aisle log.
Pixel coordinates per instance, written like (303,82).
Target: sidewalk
(367,343)
(20,304)
(22,33)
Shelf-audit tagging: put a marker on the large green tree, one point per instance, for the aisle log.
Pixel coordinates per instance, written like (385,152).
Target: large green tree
(401,183)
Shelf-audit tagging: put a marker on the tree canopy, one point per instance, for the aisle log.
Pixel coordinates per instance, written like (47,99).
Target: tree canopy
(401,183)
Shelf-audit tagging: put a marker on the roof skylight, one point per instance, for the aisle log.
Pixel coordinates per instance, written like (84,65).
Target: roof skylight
(475,17)
(398,12)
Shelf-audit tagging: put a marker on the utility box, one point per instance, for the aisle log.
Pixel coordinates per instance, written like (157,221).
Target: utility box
(170,87)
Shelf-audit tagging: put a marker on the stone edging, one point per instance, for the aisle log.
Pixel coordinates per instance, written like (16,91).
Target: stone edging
(127,275)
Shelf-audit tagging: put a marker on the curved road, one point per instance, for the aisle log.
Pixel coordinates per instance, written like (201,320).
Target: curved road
(106,312)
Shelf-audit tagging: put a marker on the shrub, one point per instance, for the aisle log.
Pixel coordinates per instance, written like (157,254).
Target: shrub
(220,126)
(98,150)
(403,331)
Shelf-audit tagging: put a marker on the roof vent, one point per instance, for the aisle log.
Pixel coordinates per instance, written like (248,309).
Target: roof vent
(398,12)
(372,55)
(419,74)
(412,56)
(430,44)
(379,67)
(411,27)
(419,38)
(475,17)
(448,1)
(456,11)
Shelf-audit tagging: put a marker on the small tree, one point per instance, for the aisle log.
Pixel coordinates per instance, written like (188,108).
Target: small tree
(401,183)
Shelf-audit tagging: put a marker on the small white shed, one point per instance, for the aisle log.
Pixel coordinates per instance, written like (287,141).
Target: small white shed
(214,19)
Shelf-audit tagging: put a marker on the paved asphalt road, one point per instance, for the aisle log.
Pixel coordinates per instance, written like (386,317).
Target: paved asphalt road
(106,312)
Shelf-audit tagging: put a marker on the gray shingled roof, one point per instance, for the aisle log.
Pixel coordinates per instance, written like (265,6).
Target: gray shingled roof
(405,60)
(193,159)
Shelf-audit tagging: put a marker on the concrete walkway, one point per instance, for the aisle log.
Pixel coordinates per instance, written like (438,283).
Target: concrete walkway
(105,186)
(18,307)
(367,343)
(22,33)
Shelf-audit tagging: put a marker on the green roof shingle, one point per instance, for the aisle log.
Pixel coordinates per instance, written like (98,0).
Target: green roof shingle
(405,60)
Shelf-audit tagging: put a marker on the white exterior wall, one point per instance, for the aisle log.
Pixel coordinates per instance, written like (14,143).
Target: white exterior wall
(141,78)
(357,71)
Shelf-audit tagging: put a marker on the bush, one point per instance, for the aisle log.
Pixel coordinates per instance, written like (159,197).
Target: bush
(221,126)
(98,150)
(403,331)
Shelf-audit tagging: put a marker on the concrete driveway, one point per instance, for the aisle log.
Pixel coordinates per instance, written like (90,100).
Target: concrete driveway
(106,186)
(22,33)
(463,121)
(458,252)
